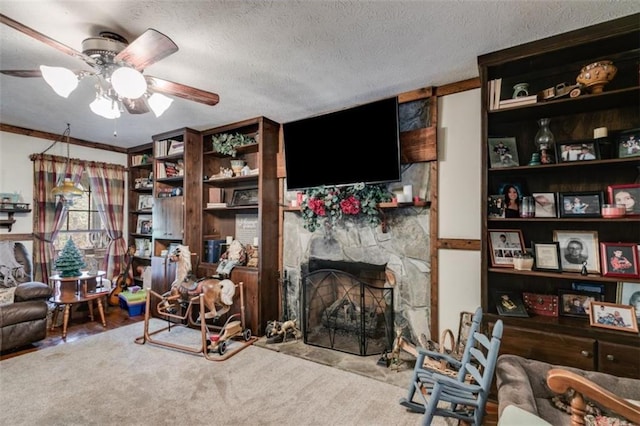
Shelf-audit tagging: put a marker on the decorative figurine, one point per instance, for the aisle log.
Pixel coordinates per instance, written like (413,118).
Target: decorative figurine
(583,271)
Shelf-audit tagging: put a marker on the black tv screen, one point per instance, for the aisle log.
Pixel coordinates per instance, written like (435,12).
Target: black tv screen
(359,144)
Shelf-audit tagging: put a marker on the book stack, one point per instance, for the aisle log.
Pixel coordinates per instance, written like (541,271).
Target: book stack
(216,205)
(139,159)
(522,100)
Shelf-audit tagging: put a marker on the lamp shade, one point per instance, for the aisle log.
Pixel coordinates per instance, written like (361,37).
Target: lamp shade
(128,83)
(67,190)
(61,80)
(159,103)
(105,107)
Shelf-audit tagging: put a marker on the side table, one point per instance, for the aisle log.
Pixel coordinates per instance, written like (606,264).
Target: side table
(68,291)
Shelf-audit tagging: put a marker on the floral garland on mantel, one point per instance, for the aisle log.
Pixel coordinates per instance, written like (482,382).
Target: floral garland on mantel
(330,204)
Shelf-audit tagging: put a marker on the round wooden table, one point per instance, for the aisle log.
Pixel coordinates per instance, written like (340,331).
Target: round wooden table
(70,290)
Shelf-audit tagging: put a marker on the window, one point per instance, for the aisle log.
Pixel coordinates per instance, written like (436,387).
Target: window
(84,226)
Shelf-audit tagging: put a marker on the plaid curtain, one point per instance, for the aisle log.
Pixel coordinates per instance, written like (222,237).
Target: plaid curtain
(107,187)
(48,214)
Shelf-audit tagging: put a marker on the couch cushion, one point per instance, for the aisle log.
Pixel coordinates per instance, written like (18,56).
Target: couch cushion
(23,312)
(7,295)
(32,290)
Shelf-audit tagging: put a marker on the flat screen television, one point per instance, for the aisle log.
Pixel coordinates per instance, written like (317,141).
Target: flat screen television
(359,144)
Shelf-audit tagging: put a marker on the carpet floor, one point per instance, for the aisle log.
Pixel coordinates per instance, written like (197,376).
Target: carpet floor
(109,379)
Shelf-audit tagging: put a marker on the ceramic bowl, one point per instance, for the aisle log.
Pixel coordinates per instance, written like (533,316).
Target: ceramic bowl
(613,210)
(594,76)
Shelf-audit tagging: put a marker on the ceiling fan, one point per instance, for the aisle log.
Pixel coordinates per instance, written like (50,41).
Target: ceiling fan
(117,67)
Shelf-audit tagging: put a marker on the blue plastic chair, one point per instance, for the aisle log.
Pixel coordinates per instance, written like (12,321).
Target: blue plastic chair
(457,397)
(421,369)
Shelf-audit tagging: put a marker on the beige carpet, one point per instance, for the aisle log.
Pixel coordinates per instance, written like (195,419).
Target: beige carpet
(108,379)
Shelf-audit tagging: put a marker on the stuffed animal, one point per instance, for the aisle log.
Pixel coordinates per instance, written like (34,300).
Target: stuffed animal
(234,256)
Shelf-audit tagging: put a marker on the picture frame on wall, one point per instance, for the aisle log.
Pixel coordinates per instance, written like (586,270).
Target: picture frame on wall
(504,245)
(547,256)
(577,151)
(627,195)
(577,303)
(545,204)
(503,152)
(580,204)
(620,260)
(613,316)
(578,249)
(629,294)
(629,143)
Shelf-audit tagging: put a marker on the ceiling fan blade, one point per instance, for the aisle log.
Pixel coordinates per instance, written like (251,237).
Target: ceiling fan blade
(136,106)
(38,73)
(45,39)
(181,91)
(147,49)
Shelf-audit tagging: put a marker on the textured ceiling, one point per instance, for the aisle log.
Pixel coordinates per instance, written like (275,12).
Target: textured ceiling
(285,60)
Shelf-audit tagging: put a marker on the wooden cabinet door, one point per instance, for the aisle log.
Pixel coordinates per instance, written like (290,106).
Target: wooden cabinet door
(163,273)
(558,349)
(168,217)
(619,360)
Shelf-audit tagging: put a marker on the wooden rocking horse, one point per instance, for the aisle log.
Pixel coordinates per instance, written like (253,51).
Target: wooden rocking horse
(216,292)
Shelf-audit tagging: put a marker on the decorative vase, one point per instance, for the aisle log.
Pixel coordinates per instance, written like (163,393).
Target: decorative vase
(594,76)
(236,166)
(520,90)
(545,140)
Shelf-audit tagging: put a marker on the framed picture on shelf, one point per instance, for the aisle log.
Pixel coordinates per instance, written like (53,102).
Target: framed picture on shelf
(629,143)
(628,195)
(547,256)
(576,303)
(613,316)
(504,245)
(545,204)
(145,202)
(578,151)
(578,249)
(495,206)
(503,152)
(245,197)
(619,260)
(629,294)
(144,225)
(510,304)
(581,204)
(512,191)
(588,287)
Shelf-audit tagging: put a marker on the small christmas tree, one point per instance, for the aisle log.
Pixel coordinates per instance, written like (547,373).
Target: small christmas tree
(70,260)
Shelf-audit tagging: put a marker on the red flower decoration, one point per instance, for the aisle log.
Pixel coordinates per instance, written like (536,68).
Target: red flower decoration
(350,205)
(317,205)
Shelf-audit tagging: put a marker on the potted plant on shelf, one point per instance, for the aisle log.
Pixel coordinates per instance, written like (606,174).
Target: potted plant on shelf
(226,143)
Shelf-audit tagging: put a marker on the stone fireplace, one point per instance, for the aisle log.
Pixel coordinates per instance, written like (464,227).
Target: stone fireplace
(402,250)
(347,307)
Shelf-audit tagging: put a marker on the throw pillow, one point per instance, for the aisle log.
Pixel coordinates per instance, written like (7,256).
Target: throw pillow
(6,295)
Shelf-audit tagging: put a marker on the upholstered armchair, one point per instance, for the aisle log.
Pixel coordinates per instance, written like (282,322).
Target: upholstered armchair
(25,320)
(526,391)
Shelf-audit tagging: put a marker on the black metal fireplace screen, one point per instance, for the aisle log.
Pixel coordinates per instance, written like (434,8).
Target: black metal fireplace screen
(346,314)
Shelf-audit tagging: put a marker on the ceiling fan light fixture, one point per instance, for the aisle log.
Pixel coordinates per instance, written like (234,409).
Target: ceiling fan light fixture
(128,83)
(159,103)
(61,80)
(105,107)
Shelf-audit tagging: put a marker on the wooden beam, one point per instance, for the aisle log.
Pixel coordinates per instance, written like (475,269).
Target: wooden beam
(459,244)
(457,87)
(16,237)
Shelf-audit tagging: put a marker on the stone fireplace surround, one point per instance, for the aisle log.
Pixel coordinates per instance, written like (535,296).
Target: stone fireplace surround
(404,249)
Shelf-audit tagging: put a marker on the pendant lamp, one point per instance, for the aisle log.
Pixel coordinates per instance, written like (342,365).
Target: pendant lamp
(67,190)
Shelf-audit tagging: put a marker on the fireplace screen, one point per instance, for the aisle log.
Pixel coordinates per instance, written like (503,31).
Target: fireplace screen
(345,314)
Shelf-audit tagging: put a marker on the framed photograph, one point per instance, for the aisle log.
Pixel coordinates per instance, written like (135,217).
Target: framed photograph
(512,192)
(576,303)
(578,249)
(545,204)
(510,304)
(629,143)
(629,294)
(581,204)
(145,202)
(547,256)
(504,244)
(588,287)
(619,260)
(613,316)
(144,225)
(495,206)
(627,195)
(245,197)
(503,152)
(466,318)
(578,151)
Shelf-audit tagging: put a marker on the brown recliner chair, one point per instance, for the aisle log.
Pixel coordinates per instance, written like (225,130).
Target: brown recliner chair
(25,320)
